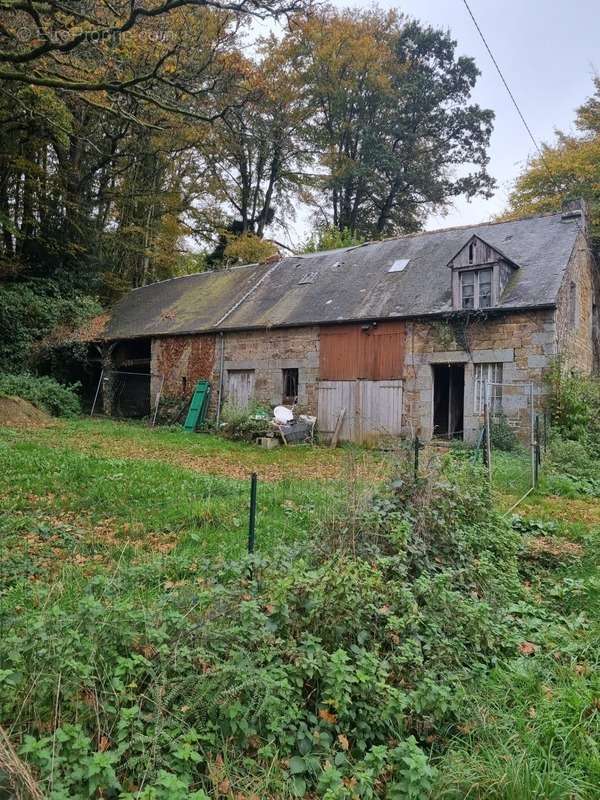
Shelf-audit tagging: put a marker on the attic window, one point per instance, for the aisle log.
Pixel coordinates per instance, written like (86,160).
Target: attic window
(476,288)
(471,252)
(308,278)
(399,265)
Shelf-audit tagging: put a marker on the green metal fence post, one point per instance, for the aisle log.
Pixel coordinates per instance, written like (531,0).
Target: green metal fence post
(252,519)
(537,453)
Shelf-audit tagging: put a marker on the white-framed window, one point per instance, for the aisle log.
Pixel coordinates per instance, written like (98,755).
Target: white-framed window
(488,374)
(476,288)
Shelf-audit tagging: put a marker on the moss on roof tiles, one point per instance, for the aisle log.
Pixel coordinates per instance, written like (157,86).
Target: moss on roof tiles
(351,283)
(181,305)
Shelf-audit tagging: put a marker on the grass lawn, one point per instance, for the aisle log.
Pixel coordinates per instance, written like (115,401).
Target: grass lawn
(200,452)
(532,727)
(88,492)
(84,498)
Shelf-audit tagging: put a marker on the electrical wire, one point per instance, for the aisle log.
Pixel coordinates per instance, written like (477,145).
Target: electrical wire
(539,150)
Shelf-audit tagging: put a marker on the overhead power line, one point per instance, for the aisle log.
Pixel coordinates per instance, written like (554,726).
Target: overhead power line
(503,79)
(552,176)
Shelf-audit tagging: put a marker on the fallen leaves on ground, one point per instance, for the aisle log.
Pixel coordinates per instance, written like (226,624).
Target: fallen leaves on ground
(57,538)
(553,546)
(564,509)
(528,648)
(318,463)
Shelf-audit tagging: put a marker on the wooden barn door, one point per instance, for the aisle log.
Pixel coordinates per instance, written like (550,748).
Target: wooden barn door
(332,397)
(380,410)
(240,387)
(373,408)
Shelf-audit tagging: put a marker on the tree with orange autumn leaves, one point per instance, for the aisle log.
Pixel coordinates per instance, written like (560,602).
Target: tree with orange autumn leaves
(143,140)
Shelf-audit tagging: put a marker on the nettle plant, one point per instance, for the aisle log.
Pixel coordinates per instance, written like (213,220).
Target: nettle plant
(327,671)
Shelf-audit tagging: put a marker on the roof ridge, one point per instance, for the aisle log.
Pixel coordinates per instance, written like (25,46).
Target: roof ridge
(468,226)
(196,274)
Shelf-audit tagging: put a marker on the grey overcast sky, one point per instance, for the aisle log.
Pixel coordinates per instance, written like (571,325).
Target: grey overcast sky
(548,50)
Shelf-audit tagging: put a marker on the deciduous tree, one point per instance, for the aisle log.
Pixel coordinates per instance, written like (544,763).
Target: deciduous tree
(393,121)
(565,170)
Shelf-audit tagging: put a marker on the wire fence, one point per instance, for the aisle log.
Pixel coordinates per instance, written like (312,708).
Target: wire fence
(512,438)
(128,395)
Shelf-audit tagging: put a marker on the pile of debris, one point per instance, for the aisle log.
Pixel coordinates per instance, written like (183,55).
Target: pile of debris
(289,428)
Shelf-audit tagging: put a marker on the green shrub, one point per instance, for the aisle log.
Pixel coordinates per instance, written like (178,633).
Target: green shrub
(245,424)
(325,672)
(575,405)
(573,457)
(44,392)
(502,436)
(571,469)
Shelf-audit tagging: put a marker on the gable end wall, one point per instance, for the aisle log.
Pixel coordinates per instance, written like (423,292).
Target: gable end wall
(575,344)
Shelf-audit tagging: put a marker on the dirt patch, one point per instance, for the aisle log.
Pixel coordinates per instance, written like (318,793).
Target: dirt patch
(18,413)
(553,548)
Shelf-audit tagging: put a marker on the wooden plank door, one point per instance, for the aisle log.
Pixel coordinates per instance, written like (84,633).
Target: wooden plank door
(332,396)
(380,410)
(240,387)
(373,408)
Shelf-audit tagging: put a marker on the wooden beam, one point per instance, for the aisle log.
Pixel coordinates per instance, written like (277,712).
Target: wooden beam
(338,428)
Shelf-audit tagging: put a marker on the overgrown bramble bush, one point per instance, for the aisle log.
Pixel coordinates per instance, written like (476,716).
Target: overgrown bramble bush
(575,405)
(329,671)
(44,392)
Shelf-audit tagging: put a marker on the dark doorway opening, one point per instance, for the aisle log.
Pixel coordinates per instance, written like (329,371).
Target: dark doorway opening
(448,400)
(129,382)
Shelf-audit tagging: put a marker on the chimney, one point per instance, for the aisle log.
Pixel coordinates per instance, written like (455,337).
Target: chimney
(575,209)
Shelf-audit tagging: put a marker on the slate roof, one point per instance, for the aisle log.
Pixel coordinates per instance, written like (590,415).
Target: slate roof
(188,304)
(351,283)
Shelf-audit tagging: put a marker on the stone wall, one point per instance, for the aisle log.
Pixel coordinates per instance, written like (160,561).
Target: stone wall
(268,353)
(182,360)
(575,340)
(522,342)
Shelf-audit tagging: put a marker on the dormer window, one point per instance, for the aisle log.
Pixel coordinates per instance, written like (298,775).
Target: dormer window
(476,288)
(480,273)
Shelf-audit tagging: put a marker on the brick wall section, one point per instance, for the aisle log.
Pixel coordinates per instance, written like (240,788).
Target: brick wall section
(523,342)
(575,341)
(182,357)
(268,353)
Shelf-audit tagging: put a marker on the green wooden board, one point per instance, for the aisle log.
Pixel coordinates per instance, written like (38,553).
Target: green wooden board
(198,407)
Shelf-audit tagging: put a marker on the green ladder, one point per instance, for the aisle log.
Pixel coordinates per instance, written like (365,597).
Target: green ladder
(198,407)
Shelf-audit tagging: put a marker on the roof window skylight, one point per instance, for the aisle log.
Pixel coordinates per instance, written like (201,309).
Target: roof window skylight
(399,265)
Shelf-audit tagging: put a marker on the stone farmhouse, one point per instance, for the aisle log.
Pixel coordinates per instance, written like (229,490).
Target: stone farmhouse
(405,334)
